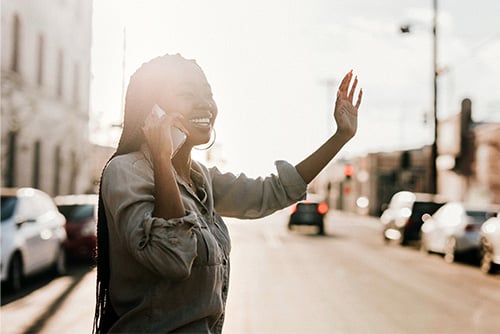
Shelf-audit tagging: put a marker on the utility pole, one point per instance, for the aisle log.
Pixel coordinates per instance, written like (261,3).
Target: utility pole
(434,151)
(406,29)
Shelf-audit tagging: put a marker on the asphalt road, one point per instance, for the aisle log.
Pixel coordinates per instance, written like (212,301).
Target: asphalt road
(296,282)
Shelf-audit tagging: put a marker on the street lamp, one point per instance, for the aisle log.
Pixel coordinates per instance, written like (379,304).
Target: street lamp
(405,29)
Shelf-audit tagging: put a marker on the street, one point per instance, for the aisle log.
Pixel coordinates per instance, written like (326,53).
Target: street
(296,282)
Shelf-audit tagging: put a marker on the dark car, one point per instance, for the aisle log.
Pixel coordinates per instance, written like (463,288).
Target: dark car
(411,229)
(402,219)
(80,212)
(309,212)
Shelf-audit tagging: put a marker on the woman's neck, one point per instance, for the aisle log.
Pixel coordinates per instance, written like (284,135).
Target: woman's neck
(182,163)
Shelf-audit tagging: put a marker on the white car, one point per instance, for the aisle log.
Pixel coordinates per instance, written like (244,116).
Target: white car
(490,245)
(402,219)
(454,229)
(32,235)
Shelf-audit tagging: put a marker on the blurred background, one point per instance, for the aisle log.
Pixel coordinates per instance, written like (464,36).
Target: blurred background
(274,69)
(430,71)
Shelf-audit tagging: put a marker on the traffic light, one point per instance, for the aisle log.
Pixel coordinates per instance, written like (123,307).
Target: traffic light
(348,171)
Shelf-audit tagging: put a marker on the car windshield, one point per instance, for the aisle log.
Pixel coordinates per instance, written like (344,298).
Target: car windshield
(307,207)
(8,207)
(77,212)
(476,217)
(420,208)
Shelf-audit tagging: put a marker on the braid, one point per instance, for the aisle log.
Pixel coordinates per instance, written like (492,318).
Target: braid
(145,88)
(105,315)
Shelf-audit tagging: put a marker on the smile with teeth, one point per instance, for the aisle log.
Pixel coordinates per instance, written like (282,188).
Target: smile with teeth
(202,122)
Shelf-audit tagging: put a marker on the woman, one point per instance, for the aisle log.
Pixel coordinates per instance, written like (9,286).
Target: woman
(163,249)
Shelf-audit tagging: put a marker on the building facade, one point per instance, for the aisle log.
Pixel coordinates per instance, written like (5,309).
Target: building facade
(45,94)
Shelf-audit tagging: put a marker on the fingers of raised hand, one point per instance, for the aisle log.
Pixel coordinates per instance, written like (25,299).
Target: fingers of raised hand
(360,96)
(344,85)
(345,92)
(353,89)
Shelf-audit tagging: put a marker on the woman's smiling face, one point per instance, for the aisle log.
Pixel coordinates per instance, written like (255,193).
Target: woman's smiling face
(189,94)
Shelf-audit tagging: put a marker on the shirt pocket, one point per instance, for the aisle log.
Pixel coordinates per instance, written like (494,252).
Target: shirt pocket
(209,251)
(222,233)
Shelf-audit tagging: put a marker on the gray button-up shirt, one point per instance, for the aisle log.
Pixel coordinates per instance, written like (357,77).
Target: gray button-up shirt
(172,275)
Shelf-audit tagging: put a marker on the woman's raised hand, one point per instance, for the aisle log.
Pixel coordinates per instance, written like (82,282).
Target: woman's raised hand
(346,112)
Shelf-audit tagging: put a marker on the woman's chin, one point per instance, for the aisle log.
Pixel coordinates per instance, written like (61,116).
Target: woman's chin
(201,142)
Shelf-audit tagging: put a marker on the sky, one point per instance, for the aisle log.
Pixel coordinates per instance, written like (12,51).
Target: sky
(271,65)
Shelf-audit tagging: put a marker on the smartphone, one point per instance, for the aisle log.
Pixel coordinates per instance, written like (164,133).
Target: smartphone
(178,137)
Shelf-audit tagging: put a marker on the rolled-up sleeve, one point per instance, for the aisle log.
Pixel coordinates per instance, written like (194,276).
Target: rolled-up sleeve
(243,197)
(166,247)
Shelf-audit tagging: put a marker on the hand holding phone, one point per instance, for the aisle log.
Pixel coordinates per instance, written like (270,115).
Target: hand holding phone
(178,137)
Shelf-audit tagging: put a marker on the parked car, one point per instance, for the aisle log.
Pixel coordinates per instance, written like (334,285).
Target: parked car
(402,219)
(490,245)
(309,212)
(33,235)
(454,229)
(81,216)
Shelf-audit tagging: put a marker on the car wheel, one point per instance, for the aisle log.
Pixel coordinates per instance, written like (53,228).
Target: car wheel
(404,242)
(60,264)
(16,272)
(487,265)
(321,228)
(406,239)
(450,250)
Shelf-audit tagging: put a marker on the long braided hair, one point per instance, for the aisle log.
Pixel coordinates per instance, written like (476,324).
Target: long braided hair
(144,90)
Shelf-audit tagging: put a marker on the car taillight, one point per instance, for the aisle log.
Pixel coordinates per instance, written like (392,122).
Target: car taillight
(472,227)
(322,208)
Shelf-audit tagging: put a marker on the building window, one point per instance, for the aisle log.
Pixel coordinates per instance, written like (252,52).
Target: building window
(41,59)
(10,171)
(36,164)
(60,74)
(73,172)
(57,171)
(76,84)
(16,40)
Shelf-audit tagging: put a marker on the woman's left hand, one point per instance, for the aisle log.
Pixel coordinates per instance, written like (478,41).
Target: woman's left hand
(346,112)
